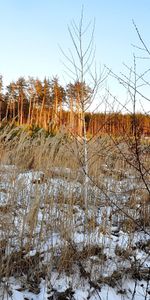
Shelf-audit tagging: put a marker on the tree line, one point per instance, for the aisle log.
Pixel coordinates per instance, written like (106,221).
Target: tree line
(47,104)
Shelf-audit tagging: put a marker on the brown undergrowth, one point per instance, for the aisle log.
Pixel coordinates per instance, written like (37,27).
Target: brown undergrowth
(40,223)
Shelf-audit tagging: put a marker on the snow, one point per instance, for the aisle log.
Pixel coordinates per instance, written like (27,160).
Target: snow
(82,292)
(25,189)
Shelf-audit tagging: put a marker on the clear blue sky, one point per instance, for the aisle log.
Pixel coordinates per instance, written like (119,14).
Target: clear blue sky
(30,31)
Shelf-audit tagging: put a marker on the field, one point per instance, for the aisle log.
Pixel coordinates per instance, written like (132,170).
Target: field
(53,246)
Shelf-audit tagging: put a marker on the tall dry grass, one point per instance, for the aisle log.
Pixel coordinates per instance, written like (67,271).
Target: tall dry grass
(44,225)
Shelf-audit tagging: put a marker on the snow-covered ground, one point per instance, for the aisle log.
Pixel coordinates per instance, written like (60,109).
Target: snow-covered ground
(49,213)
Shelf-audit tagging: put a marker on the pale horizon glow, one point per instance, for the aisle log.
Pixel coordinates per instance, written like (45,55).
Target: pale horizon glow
(31,30)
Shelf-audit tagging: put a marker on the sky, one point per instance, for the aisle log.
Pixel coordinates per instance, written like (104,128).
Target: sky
(32,30)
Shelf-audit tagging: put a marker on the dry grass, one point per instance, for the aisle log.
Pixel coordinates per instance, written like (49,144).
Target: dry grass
(47,223)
